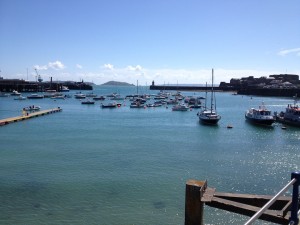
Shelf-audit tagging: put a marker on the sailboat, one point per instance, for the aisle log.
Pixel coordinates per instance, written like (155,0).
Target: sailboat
(210,115)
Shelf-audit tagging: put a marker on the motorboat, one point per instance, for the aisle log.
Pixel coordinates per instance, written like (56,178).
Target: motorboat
(15,93)
(99,98)
(58,97)
(80,96)
(209,115)
(64,89)
(260,116)
(32,108)
(180,107)
(35,96)
(137,104)
(109,105)
(88,102)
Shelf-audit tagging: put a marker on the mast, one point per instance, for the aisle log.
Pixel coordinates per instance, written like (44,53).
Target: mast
(212,91)
(205,95)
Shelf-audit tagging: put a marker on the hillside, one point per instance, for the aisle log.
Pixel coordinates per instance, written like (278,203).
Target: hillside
(117,83)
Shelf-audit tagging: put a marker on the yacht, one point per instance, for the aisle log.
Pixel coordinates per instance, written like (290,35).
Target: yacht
(210,115)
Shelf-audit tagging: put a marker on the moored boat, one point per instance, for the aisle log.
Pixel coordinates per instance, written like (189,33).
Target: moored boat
(99,98)
(80,96)
(180,107)
(109,105)
(88,102)
(260,116)
(210,115)
(35,96)
(291,116)
(15,93)
(32,108)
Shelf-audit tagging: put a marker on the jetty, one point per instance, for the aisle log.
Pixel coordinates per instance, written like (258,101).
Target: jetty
(29,116)
(276,209)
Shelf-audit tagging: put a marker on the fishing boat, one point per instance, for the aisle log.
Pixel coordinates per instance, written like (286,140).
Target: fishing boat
(180,107)
(210,115)
(261,116)
(291,116)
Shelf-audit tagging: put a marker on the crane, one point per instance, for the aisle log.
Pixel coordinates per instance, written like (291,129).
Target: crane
(39,78)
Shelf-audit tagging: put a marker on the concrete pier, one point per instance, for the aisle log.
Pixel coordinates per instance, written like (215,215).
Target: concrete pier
(28,116)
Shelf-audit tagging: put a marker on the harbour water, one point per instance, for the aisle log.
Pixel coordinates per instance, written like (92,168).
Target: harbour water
(88,165)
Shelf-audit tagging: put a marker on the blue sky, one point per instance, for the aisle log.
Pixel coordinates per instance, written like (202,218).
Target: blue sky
(167,41)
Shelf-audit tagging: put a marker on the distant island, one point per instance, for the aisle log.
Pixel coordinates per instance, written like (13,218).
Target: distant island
(117,83)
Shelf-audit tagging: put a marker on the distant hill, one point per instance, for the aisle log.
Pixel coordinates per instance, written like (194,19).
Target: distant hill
(117,83)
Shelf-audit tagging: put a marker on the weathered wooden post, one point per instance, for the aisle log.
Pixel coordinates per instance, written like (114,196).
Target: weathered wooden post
(193,206)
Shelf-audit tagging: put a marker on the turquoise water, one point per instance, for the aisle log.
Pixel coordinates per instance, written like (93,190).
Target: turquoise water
(88,165)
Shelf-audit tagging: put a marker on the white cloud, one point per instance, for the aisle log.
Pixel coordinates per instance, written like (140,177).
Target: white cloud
(134,68)
(57,65)
(78,66)
(108,66)
(45,67)
(289,51)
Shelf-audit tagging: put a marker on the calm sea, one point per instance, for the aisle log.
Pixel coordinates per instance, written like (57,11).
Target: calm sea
(88,165)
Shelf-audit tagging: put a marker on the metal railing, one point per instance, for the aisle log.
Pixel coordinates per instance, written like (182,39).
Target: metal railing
(294,219)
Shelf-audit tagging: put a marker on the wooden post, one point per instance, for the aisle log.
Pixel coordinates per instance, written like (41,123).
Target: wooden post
(193,206)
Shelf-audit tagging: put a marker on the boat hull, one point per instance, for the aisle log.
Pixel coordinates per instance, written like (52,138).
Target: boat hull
(287,121)
(266,122)
(209,121)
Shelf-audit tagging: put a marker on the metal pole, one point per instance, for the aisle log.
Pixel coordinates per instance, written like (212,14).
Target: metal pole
(295,198)
(269,203)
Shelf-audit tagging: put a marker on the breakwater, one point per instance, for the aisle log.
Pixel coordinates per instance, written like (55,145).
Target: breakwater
(189,88)
(270,92)
(8,85)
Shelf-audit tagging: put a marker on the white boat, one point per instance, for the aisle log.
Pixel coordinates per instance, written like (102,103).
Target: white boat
(15,93)
(109,105)
(32,108)
(180,107)
(80,96)
(137,104)
(58,97)
(88,102)
(210,115)
(64,89)
(260,116)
